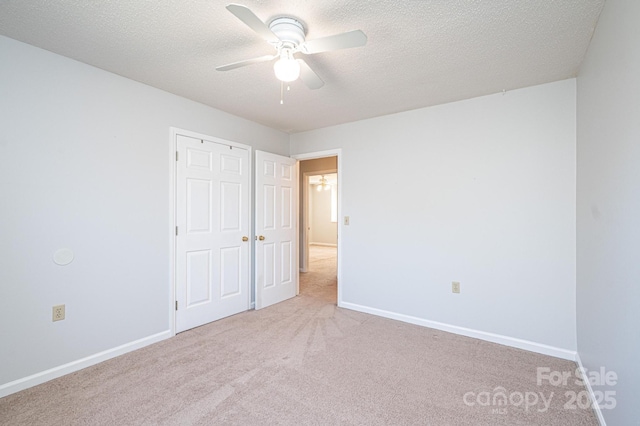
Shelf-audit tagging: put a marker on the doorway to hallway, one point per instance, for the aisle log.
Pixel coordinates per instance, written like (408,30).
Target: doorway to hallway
(319,228)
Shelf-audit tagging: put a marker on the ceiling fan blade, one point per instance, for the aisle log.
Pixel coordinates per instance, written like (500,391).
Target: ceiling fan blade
(354,38)
(309,77)
(245,63)
(244,14)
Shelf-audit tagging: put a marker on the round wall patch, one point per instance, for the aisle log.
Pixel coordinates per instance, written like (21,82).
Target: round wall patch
(63,257)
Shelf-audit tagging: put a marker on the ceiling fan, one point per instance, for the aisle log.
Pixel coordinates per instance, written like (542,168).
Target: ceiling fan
(287,36)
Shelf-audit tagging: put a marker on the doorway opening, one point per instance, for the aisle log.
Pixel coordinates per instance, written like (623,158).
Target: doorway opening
(319,228)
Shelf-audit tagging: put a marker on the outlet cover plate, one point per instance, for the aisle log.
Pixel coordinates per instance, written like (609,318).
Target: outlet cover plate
(455,287)
(58,313)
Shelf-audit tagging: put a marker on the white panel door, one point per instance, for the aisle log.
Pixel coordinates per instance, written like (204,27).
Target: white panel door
(212,244)
(276,258)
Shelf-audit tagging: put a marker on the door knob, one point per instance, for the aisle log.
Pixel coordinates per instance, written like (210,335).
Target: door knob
(261,237)
(245,238)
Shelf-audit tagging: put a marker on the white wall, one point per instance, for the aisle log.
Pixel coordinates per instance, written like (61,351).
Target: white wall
(323,231)
(608,206)
(480,191)
(86,165)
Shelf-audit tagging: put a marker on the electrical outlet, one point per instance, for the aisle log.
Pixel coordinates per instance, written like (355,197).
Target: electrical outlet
(58,313)
(455,287)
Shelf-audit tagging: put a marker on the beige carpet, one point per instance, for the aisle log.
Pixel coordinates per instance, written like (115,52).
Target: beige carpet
(305,362)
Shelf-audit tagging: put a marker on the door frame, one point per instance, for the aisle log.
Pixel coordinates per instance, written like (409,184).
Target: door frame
(323,154)
(173,149)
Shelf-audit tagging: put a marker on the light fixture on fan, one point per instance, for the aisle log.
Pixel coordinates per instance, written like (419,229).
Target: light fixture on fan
(323,185)
(286,68)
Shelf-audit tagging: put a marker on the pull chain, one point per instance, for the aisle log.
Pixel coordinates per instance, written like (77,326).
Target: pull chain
(281,92)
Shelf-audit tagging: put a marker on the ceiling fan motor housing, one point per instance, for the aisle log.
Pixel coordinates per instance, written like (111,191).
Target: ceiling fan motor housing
(289,31)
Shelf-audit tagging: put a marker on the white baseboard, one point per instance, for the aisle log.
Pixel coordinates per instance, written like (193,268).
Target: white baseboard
(323,244)
(482,335)
(53,373)
(596,407)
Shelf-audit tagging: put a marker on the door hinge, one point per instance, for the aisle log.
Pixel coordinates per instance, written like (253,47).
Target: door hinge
(176,230)
(176,305)
(176,155)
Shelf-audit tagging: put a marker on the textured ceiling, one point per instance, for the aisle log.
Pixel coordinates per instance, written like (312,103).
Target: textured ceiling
(419,52)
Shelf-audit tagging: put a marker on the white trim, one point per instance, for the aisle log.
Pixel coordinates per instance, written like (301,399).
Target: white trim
(304,224)
(323,154)
(53,373)
(594,405)
(323,244)
(318,154)
(478,334)
(296,209)
(172,230)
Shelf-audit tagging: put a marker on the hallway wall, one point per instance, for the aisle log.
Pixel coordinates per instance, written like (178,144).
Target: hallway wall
(323,230)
